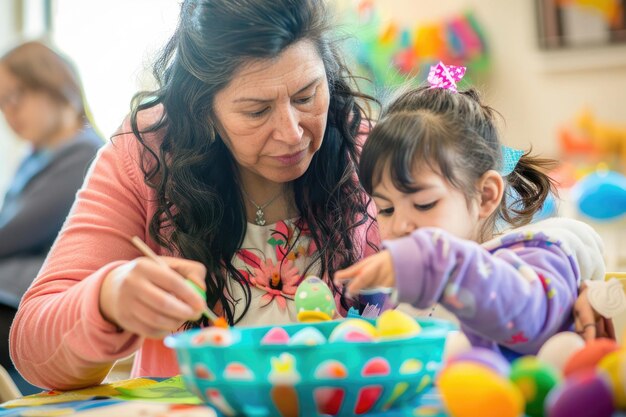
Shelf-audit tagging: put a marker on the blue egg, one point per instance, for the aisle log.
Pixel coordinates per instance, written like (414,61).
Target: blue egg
(601,195)
(308,336)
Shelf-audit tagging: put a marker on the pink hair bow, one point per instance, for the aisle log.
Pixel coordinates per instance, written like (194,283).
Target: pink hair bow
(445,76)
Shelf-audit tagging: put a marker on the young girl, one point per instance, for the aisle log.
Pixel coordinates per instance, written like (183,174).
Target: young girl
(438,174)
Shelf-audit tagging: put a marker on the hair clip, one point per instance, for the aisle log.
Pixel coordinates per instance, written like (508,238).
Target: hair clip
(510,158)
(445,76)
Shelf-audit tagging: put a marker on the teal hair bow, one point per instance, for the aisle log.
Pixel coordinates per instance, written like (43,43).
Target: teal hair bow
(510,158)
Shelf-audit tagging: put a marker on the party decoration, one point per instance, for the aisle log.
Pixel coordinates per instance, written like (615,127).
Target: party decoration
(388,53)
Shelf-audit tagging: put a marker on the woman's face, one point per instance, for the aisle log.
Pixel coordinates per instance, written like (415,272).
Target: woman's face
(33,115)
(272,115)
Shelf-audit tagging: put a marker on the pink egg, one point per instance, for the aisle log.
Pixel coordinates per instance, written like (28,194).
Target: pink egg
(275,336)
(238,371)
(376,367)
(585,394)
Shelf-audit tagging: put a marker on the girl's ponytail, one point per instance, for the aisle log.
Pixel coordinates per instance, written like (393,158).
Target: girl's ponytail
(531,186)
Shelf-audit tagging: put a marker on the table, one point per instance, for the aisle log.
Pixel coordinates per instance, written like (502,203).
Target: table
(144,397)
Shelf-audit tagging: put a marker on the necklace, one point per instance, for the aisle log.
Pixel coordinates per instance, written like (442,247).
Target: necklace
(260,214)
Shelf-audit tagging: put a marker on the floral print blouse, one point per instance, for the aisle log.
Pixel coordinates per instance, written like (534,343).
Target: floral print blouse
(273,259)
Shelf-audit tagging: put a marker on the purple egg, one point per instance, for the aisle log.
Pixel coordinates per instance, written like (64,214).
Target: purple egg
(585,394)
(483,356)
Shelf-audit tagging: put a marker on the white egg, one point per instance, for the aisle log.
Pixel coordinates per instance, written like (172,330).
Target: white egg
(558,349)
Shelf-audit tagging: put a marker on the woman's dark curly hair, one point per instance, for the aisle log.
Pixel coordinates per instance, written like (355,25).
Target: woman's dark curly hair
(193,173)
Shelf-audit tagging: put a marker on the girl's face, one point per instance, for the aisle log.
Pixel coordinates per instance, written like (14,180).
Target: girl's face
(272,115)
(436,204)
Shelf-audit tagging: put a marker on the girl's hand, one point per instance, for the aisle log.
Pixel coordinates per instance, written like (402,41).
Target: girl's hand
(145,298)
(373,271)
(587,322)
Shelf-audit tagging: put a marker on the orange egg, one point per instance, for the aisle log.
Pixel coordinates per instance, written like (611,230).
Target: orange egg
(589,356)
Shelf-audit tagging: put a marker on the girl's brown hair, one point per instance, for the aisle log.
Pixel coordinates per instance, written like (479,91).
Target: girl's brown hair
(454,134)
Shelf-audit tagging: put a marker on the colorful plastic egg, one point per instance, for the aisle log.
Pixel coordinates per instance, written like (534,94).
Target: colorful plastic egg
(411,366)
(328,400)
(314,301)
(214,336)
(589,356)
(275,336)
(308,336)
(456,343)
(238,371)
(376,367)
(585,394)
(471,389)
(613,368)
(486,357)
(331,369)
(353,330)
(535,380)
(394,324)
(558,349)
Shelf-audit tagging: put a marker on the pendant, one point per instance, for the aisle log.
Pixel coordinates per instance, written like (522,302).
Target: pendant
(260,218)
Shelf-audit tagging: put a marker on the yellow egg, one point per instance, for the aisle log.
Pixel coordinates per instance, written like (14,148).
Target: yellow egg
(613,366)
(470,390)
(366,326)
(394,324)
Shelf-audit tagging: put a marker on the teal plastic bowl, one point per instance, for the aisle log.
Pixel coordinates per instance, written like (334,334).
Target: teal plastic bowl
(341,379)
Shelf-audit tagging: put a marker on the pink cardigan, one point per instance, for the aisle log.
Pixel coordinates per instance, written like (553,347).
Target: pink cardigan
(59,338)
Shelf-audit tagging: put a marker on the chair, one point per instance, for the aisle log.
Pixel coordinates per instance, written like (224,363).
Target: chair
(8,389)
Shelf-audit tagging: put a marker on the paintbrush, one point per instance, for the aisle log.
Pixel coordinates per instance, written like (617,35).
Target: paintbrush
(145,249)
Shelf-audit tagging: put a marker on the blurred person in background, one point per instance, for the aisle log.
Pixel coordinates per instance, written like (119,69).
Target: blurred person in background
(42,102)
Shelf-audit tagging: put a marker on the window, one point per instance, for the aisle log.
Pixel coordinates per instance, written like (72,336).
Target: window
(113,44)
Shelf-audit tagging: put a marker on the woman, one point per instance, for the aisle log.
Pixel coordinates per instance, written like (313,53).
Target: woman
(42,102)
(240,168)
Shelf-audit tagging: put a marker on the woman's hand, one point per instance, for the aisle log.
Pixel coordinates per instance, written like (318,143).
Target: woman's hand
(145,298)
(587,322)
(373,271)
